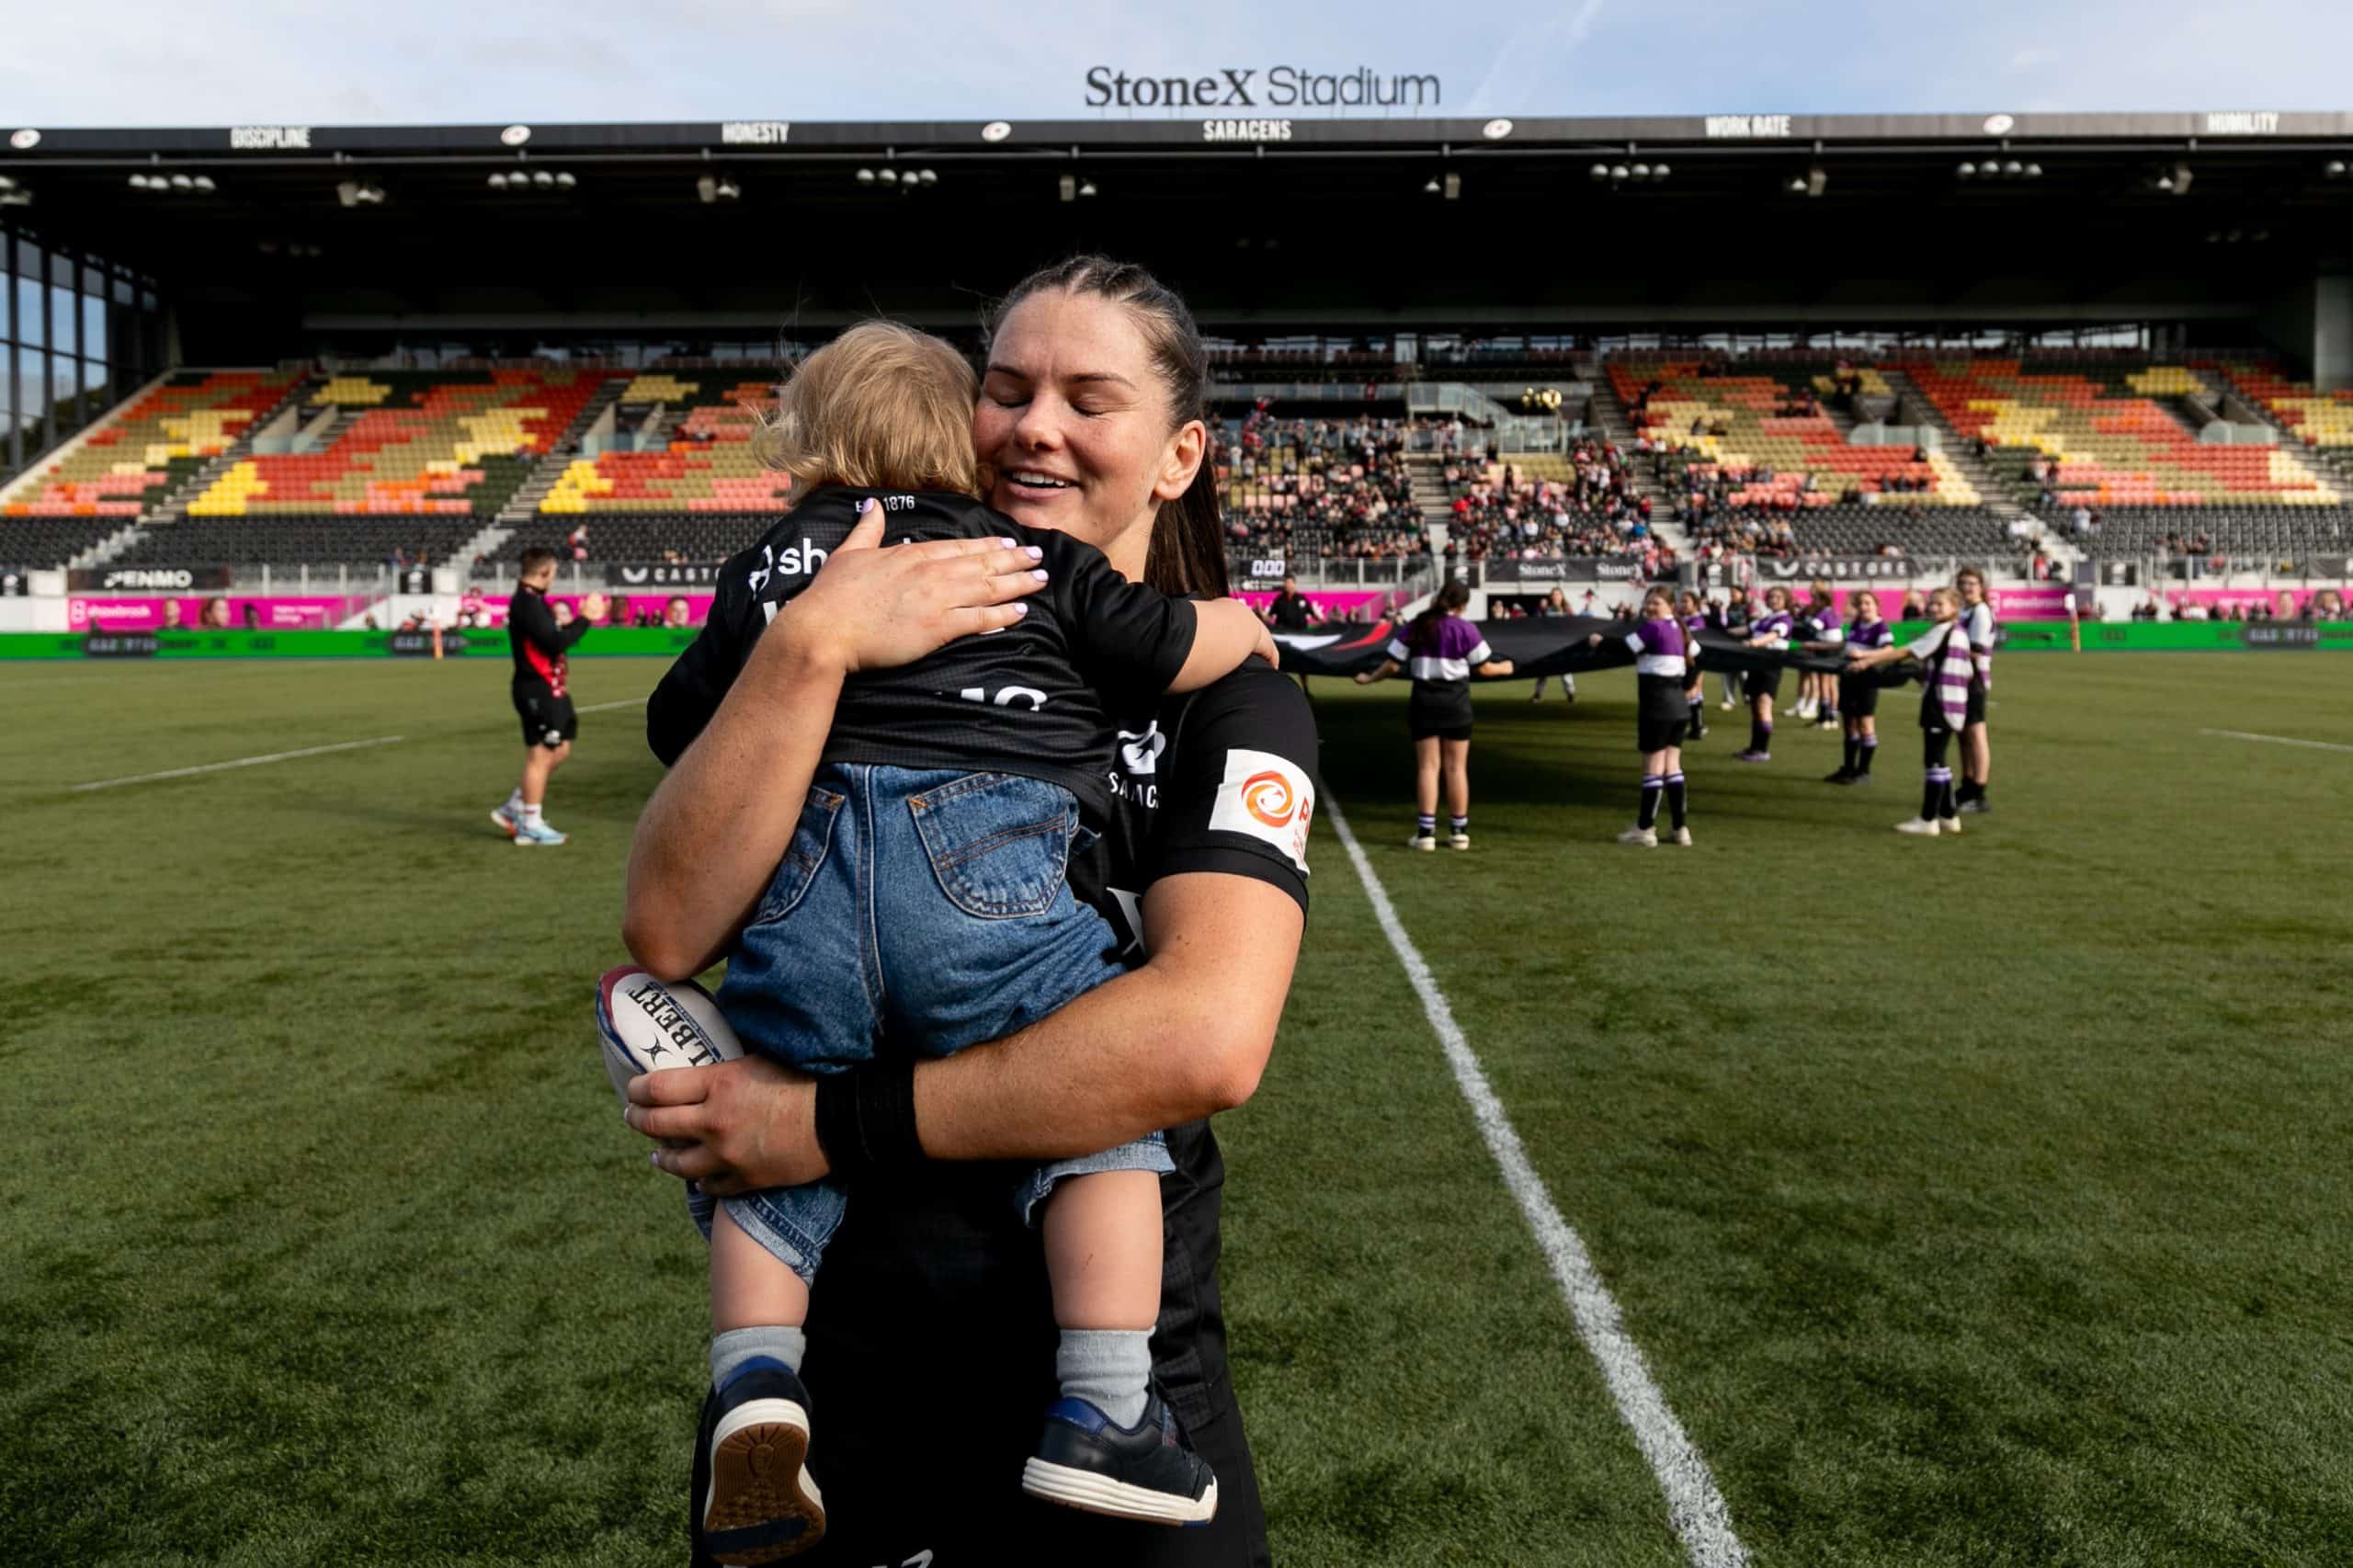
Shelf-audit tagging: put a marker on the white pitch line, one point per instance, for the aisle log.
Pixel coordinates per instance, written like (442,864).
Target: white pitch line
(2278,740)
(601,707)
(1695,1508)
(240,762)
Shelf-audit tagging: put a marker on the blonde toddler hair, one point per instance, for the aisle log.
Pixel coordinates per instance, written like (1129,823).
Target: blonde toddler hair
(880,407)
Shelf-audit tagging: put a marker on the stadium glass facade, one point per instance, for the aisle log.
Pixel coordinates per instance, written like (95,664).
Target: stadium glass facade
(76,334)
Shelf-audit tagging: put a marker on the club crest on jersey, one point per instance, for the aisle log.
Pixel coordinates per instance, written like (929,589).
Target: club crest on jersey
(1140,754)
(1269,798)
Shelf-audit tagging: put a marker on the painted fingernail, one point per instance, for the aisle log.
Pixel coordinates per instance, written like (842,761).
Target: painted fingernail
(654,1159)
(865,505)
(1039,573)
(1036,553)
(1020,609)
(1008,543)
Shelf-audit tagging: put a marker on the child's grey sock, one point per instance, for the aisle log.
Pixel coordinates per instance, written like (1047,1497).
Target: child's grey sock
(1109,1368)
(777,1343)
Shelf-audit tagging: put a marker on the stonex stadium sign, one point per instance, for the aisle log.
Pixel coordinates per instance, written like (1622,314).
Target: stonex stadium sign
(1282,87)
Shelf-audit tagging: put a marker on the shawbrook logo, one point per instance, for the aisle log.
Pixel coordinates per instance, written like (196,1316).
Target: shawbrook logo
(1251,86)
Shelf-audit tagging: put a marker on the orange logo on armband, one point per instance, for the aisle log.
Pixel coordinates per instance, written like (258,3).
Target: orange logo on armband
(1267,796)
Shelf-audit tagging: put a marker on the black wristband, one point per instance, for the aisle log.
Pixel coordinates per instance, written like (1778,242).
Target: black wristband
(866,1120)
(886,1114)
(837,1133)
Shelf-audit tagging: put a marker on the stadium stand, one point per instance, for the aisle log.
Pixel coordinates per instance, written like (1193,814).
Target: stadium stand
(1770,429)
(706,464)
(2098,433)
(2321,420)
(131,460)
(1319,487)
(445,443)
(1524,504)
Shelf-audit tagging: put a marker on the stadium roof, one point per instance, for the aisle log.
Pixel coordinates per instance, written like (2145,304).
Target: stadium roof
(274,237)
(1224,124)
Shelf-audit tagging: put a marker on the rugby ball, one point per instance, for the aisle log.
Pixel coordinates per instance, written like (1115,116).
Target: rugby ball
(649,1026)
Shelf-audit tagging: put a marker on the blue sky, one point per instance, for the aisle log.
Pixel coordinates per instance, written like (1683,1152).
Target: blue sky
(248,62)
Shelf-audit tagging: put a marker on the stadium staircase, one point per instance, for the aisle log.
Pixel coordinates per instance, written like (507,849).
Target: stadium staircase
(173,506)
(524,505)
(1914,407)
(106,549)
(1610,414)
(1426,473)
(2334,462)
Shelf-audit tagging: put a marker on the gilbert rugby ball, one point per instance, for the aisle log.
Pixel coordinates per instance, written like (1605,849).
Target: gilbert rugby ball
(648,1025)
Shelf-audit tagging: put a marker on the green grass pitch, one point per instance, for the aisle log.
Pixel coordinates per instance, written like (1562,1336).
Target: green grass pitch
(1975,1201)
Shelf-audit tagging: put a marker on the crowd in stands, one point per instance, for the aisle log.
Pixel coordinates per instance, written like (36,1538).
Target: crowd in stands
(2328,603)
(1331,487)
(1580,503)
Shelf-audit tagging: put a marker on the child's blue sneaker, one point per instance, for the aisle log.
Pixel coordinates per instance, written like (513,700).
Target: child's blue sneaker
(762,1506)
(507,818)
(1147,1471)
(530,832)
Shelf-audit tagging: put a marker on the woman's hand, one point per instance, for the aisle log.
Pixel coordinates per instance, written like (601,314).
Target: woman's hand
(871,609)
(733,1128)
(1364,677)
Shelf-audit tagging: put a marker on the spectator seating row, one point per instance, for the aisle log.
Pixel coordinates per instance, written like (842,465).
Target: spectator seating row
(150,445)
(1758,422)
(41,544)
(444,443)
(2259,534)
(1968,531)
(317,540)
(640,537)
(708,464)
(2112,444)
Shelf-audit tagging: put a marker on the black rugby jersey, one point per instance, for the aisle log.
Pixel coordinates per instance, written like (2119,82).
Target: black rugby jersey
(539,645)
(1034,700)
(935,1314)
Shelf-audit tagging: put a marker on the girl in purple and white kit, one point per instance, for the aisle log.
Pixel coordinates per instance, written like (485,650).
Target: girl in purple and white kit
(1859,693)
(1948,676)
(1770,629)
(1663,708)
(1692,611)
(1441,652)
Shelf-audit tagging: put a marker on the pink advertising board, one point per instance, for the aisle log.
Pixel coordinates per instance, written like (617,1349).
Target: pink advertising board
(227,613)
(628,606)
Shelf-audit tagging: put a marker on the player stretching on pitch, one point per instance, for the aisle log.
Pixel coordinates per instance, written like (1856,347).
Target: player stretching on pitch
(541,636)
